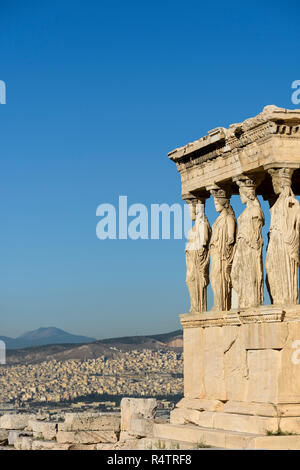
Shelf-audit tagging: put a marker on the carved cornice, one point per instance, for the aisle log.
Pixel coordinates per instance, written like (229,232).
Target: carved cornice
(264,314)
(269,140)
(271,121)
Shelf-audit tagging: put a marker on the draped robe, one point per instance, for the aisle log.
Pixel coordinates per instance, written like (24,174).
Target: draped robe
(247,267)
(197,263)
(282,260)
(221,255)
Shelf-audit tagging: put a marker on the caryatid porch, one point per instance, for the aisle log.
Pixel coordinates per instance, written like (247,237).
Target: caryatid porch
(242,367)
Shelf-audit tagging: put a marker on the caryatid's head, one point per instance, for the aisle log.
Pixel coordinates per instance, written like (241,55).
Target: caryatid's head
(192,209)
(221,198)
(281,179)
(247,186)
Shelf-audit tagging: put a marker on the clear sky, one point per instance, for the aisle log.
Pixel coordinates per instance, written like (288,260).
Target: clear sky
(98,92)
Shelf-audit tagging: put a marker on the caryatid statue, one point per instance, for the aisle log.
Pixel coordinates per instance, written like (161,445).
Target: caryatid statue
(247,267)
(282,260)
(221,249)
(197,257)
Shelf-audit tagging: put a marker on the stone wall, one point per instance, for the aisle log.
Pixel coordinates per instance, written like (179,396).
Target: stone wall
(81,431)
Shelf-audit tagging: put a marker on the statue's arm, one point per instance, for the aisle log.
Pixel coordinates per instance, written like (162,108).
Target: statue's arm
(231,230)
(206,235)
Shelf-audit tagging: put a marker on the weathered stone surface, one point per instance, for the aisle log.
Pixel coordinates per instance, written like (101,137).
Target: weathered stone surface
(191,433)
(48,445)
(245,408)
(91,422)
(43,429)
(230,421)
(289,376)
(131,444)
(3,437)
(288,410)
(250,369)
(236,440)
(23,443)
(186,416)
(290,424)
(193,363)
(264,367)
(200,404)
(86,437)
(127,436)
(213,360)
(15,421)
(245,423)
(265,335)
(136,408)
(235,363)
(276,443)
(82,446)
(141,427)
(13,435)
(164,444)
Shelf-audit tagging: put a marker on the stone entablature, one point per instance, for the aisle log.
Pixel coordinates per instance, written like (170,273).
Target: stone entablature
(269,140)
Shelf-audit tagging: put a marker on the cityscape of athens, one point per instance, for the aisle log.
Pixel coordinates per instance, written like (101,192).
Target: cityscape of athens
(137,373)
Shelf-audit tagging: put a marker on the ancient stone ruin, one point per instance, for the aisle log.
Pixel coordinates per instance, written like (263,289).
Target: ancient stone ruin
(241,369)
(130,429)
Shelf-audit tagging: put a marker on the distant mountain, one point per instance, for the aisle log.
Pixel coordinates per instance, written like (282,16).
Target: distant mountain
(110,347)
(44,336)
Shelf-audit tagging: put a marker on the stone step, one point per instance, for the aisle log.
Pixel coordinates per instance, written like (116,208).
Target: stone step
(154,443)
(222,439)
(231,421)
(199,435)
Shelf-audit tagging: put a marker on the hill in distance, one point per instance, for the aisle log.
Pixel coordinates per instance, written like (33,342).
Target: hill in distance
(91,350)
(43,336)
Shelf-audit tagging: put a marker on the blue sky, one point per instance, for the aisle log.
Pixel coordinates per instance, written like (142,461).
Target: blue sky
(98,92)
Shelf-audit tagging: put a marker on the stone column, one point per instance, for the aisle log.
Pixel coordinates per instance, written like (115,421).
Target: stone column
(247,267)
(222,248)
(282,260)
(197,256)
